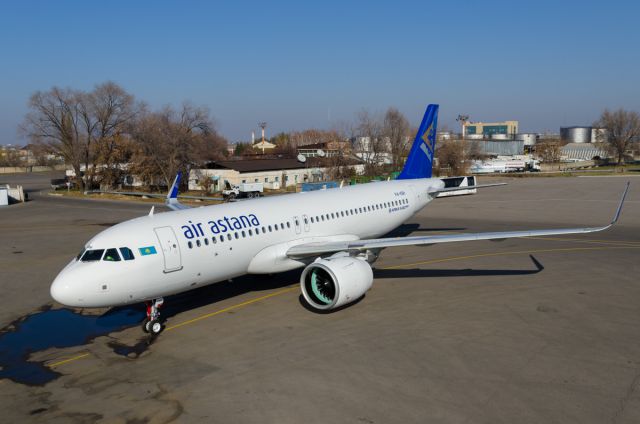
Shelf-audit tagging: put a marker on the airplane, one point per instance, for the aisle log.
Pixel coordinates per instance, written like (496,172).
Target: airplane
(331,234)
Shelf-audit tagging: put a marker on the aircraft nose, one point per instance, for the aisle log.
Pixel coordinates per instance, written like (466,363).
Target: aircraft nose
(62,291)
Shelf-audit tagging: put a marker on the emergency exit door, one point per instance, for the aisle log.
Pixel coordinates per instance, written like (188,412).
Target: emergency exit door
(170,248)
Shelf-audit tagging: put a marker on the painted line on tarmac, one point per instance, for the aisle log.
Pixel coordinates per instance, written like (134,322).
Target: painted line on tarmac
(607,242)
(65,361)
(295,287)
(239,305)
(508,253)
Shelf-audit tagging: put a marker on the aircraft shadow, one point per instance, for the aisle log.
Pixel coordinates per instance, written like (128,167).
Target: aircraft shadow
(417,273)
(214,293)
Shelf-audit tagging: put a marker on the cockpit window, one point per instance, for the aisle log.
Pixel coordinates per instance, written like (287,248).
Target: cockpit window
(80,254)
(111,255)
(92,255)
(127,254)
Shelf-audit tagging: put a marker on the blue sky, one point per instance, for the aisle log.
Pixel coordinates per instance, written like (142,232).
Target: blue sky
(301,64)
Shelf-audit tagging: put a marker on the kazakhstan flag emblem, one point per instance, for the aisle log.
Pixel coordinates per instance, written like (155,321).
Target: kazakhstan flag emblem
(149,250)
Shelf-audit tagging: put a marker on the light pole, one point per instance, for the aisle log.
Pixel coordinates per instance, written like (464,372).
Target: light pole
(463,120)
(262,125)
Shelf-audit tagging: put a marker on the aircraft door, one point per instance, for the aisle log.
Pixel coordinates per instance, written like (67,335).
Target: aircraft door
(170,249)
(305,218)
(296,222)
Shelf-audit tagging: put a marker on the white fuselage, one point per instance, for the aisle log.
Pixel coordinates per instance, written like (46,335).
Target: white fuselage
(200,246)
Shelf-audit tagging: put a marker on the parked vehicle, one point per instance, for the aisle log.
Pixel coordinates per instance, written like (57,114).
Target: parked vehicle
(242,191)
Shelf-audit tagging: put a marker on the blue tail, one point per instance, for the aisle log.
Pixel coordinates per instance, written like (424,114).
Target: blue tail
(420,161)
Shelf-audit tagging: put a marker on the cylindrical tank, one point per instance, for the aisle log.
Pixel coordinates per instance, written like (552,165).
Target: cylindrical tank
(529,139)
(500,137)
(576,134)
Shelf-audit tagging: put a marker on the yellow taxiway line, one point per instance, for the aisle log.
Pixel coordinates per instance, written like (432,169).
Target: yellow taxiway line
(432,261)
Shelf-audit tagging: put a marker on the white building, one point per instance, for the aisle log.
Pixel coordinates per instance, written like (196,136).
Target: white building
(273,173)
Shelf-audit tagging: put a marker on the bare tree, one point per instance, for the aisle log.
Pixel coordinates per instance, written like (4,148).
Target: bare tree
(76,124)
(453,154)
(169,141)
(370,145)
(397,130)
(622,128)
(549,150)
(55,119)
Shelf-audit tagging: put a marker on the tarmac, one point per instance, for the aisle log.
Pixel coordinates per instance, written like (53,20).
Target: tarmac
(540,330)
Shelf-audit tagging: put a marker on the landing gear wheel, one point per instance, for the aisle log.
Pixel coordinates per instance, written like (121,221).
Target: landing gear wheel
(155,327)
(151,323)
(145,325)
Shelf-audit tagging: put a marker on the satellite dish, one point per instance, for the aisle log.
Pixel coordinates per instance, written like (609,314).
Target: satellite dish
(302,158)
(321,153)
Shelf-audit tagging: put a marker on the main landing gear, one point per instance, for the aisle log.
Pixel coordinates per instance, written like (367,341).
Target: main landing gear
(151,323)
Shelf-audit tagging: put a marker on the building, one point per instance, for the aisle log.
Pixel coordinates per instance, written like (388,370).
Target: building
(327,149)
(490,129)
(274,173)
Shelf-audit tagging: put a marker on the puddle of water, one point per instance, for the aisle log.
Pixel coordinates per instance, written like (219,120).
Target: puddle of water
(55,328)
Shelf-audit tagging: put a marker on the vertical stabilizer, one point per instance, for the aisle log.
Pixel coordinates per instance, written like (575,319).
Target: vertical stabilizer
(419,163)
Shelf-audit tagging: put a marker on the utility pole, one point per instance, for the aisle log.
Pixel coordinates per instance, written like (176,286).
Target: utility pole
(463,119)
(262,125)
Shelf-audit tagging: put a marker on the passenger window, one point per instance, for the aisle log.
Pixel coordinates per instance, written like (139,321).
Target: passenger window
(190,245)
(289,225)
(214,240)
(222,238)
(244,234)
(282,226)
(111,255)
(333,216)
(251,232)
(236,235)
(206,241)
(264,230)
(269,228)
(92,255)
(127,254)
(198,242)
(229,236)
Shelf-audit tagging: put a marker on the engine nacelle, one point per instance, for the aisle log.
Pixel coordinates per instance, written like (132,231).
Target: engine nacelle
(332,282)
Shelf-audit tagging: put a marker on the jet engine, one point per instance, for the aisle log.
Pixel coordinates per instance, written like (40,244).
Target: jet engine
(335,281)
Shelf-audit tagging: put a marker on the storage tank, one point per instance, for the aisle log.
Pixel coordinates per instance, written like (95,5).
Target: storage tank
(529,139)
(599,135)
(500,137)
(575,134)
(474,136)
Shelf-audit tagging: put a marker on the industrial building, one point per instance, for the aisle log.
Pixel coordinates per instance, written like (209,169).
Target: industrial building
(496,130)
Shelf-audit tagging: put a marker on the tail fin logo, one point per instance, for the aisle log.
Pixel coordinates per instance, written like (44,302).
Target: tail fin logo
(427,137)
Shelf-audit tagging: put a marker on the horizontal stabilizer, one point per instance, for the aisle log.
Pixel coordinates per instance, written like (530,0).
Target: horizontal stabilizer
(450,189)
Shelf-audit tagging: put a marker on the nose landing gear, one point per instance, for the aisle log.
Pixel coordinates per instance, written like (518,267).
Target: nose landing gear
(151,323)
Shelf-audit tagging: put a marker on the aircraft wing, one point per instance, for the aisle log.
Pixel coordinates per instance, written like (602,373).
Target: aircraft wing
(320,248)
